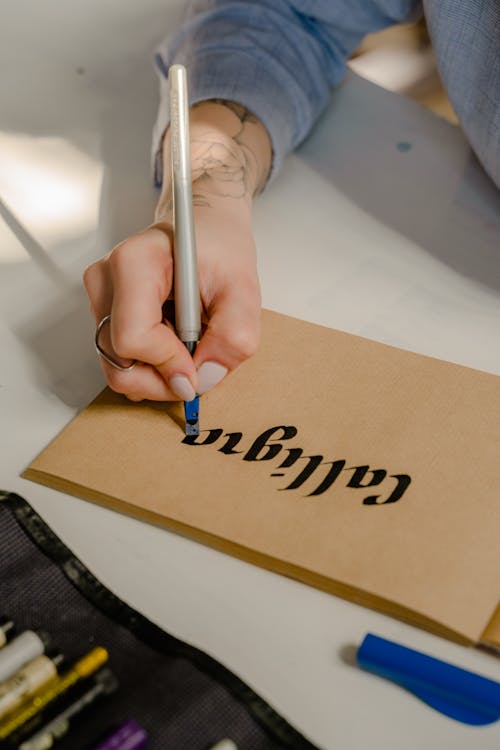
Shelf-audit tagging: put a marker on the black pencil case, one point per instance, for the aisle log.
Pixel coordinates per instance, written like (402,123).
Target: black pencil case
(182,697)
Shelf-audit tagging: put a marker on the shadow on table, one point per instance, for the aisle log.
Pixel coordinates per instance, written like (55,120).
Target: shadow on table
(412,171)
(114,104)
(61,338)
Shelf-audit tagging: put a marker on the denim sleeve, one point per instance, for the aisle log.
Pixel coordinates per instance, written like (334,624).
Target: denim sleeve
(466,40)
(278,58)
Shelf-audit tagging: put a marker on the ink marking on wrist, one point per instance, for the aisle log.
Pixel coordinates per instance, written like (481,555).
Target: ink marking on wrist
(226,167)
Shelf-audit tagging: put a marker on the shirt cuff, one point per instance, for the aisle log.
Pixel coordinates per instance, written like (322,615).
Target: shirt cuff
(238,78)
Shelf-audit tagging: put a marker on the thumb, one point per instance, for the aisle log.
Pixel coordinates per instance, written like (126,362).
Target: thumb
(232,334)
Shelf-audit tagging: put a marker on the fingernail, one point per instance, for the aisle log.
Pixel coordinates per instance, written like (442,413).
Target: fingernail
(209,374)
(181,387)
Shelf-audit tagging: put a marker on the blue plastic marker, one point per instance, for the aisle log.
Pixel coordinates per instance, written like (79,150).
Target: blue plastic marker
(453,691)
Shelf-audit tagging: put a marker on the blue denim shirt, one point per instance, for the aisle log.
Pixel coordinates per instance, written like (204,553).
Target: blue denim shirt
(280,58)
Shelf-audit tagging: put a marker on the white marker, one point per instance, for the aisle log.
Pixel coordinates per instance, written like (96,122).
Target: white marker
(20,651)
(34,675)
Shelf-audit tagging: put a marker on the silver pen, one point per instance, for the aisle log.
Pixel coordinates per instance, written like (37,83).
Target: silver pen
(186,289)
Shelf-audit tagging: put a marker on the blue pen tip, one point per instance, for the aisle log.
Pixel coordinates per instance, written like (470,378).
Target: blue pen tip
(191,414)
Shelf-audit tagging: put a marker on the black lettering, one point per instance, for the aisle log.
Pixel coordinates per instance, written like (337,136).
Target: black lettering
(293,455)
(403,481)
(335,469)
(261,446)
(378,475)
(269,444)
(212,436)
(312,463)
(233,439)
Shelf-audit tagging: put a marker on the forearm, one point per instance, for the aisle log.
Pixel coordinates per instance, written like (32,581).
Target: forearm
(279,58)
(230,158)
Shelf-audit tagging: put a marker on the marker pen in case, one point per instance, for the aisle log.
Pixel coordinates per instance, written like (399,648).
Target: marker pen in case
(83,668)
(104,683)
(20,651)
(128,736)
(27,681)
(6,627)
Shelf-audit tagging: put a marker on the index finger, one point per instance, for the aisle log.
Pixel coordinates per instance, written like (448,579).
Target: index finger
(141,273)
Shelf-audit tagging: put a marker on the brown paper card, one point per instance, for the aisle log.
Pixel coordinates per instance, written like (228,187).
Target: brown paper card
(364,470)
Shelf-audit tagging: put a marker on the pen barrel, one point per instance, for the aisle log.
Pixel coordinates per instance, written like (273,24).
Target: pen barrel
(186,288)
(179,122)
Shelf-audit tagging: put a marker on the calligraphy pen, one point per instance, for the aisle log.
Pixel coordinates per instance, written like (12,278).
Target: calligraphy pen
(186,289)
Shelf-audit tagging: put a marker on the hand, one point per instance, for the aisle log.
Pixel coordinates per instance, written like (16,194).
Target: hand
(230,159)
(134,280)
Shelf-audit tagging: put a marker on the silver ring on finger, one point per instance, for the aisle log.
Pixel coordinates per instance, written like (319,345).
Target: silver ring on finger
(104,354)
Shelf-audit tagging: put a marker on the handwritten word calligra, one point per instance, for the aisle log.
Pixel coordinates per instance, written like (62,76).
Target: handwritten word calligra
(320,475)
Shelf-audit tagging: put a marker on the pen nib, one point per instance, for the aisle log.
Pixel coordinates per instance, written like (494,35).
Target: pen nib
(191,413)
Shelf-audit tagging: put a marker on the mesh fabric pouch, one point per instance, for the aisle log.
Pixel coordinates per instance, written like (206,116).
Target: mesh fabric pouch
(184,698)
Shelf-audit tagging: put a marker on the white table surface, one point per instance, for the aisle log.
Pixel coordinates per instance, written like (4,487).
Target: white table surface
(399,243)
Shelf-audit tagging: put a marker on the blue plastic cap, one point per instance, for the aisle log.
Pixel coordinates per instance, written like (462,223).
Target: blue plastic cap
(455,692)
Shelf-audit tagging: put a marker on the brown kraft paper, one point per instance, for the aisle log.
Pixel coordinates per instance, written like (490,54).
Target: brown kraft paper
(359,468)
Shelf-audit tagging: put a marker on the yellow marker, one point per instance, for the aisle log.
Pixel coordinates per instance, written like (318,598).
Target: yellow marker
(84,667)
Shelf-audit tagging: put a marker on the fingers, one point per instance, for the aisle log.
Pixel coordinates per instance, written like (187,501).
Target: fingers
(99,289)
(98,286)
(232,334)
(131,284)
(141,278)
(143,382)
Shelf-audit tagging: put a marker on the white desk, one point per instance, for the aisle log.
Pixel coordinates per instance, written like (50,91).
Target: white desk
(396,243)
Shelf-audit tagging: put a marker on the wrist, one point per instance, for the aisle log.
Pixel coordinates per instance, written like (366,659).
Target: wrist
(230,158)
(205,198)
